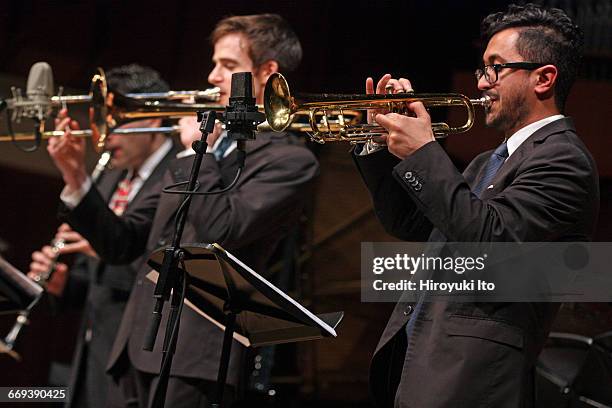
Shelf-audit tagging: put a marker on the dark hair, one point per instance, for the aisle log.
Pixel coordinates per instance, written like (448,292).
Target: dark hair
(546,35)
(269,37)
(135,78)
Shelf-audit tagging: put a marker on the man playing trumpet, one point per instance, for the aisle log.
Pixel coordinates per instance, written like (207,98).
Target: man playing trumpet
(540,184)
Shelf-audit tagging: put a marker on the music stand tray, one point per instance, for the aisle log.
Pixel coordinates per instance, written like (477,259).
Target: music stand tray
(244,304)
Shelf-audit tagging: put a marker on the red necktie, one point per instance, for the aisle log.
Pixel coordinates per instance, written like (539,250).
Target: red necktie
(119,201)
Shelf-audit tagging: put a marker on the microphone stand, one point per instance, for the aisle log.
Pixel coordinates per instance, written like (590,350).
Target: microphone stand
(170,280)
(241,119)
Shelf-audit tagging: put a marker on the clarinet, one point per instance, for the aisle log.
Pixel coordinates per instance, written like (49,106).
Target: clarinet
(6,345)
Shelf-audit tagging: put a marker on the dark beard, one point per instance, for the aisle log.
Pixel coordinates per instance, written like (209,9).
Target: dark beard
(512,114)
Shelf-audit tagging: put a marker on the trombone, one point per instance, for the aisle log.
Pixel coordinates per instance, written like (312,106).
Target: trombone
(280,108)
(85,133)
(108,110)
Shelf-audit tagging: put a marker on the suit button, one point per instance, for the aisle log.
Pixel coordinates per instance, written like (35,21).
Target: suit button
(408,175)
(408,310)
(418,187)
(162,242)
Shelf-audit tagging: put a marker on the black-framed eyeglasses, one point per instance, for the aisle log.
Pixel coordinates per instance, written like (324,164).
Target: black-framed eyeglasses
(491,72)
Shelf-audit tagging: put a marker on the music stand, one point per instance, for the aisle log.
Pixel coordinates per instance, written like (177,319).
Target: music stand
(245,305)
(18,294)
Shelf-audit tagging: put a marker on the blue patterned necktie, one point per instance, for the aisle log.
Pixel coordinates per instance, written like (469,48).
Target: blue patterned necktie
(224,144)
(496,160)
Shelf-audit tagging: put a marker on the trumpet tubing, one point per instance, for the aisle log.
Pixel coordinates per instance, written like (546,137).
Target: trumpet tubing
(280,107)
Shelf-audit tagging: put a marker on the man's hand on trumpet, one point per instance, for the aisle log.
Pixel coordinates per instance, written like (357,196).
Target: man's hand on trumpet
(68,153)
(406,134)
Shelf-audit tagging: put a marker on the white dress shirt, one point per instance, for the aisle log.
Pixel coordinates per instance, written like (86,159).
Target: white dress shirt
(71,200)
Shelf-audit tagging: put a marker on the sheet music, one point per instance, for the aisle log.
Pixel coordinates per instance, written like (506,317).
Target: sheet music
(307,312)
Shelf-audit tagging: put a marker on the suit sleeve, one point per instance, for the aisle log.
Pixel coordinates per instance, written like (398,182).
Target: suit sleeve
(77,284)
(398,214)
(118,240)
(552,192)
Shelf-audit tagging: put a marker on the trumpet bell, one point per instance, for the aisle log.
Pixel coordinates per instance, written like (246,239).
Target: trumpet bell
(278,102)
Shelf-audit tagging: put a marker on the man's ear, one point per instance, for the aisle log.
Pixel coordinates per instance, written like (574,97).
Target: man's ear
(266,69)
(546,78)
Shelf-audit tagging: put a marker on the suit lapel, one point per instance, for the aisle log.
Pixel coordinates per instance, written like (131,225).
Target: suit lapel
(507,172)
(154,178)
(108,183)
(180,170)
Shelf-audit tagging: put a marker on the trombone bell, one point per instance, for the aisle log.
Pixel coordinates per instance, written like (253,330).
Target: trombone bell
(108,110)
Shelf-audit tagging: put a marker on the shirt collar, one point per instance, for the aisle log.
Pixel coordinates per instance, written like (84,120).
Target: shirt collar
(190,151)
(152,161)
(522,134)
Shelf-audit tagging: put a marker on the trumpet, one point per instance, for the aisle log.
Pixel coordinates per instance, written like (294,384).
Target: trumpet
(280,108)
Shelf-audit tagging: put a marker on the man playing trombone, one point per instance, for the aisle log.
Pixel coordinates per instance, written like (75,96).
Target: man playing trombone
(137,165)
(540,184)
(248,220)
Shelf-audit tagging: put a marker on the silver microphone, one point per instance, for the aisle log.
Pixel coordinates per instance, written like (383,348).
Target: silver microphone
(36,104)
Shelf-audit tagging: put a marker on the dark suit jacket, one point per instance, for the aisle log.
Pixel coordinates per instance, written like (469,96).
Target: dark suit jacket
(247,220)
(465,354)
(108,288)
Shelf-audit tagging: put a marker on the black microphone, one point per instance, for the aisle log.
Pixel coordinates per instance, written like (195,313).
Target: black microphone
(241,115)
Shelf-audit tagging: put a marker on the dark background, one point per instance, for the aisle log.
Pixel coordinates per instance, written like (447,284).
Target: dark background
(434,43)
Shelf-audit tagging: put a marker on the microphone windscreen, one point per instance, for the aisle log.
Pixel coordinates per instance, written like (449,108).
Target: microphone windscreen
(40,80)
(242,85)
